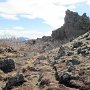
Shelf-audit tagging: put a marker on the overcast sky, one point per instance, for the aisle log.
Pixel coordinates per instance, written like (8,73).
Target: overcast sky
(35,18)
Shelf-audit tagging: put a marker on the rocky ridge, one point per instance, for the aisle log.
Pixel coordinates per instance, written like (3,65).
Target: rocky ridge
(74,26)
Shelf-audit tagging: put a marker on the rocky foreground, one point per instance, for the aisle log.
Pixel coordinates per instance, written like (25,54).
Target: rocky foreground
(42,65)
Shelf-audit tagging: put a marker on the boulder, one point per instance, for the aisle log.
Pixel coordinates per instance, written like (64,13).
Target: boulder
(71,68)
(14,81)
(7,65)
(77,44)
(69,53)
(83,50)
(73,61)
(76,84)
(1,50)
(60,53)
(44,82)
(31,42)
(66,77)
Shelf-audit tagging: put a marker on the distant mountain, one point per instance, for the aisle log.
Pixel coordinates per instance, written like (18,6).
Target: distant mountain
(8,35)
(23,38)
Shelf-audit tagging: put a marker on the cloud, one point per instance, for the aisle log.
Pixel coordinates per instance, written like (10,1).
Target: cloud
(88,2)
(8,16)
(51,11)
(32,34)
(18,28)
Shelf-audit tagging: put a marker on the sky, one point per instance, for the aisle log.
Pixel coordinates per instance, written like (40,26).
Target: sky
(36,18)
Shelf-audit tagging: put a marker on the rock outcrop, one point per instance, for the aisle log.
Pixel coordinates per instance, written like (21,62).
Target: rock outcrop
(73,27)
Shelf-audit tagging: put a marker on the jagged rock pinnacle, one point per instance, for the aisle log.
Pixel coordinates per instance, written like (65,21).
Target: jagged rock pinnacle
(74,26)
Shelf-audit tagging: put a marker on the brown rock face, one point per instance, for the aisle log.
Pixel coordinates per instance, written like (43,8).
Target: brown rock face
(73,27)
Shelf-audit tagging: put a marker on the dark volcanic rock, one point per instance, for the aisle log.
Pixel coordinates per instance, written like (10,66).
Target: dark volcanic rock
(9,49)
(1,50)
(46,38)
(73,27)
(83,50)
(71,68)
(44,82)
(65,77)
(7,65)
(14,81)
(61,53)
(73,61)
(69,53)
(77,44)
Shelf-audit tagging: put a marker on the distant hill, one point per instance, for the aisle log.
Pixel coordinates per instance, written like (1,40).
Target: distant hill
(23,38)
